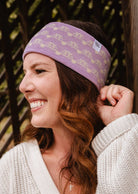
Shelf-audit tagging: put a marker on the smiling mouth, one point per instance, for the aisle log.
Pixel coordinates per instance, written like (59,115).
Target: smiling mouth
(37,104)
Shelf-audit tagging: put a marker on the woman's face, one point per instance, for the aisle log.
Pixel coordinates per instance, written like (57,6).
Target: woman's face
(41,88)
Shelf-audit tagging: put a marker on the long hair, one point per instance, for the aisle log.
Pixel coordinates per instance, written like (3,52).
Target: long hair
(79,113)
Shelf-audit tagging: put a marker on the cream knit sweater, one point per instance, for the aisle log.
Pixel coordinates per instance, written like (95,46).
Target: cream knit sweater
(22,169)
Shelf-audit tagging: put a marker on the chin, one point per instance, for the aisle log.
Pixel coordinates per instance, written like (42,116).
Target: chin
(39,121)
(43,122)
(38,124)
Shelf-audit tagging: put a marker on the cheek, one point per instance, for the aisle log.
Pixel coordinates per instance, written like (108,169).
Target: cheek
(50,88)
(55,94)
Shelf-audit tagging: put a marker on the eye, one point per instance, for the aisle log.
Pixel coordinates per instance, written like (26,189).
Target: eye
(38,71)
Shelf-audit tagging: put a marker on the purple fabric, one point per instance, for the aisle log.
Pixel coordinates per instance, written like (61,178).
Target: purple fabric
(74,48)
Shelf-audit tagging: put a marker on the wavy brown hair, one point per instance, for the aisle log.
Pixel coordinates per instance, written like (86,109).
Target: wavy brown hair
(79,113)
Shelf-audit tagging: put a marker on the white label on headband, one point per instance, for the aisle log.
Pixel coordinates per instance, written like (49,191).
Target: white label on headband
(97,46)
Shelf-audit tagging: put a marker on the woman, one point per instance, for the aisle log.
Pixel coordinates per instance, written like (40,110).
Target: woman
(65,151)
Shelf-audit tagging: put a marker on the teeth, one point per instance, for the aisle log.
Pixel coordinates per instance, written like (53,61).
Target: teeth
(36,104)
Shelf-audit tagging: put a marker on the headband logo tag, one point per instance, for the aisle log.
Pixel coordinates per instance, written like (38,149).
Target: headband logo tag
(97,46)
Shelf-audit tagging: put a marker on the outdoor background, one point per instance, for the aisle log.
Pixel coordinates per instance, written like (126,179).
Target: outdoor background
(21,19)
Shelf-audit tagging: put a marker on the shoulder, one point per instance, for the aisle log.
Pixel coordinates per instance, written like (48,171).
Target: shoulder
(12,154)
(123,128)
(15,169)
(15,156)
(10,165)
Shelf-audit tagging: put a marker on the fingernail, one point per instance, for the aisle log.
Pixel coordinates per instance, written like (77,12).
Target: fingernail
(113,102)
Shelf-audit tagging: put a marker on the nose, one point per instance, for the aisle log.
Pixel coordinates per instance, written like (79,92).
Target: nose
(26,85)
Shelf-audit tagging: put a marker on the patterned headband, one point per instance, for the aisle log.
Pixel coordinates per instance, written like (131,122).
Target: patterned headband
(74,48)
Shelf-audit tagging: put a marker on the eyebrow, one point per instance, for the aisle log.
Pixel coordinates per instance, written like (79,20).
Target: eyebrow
(37,64)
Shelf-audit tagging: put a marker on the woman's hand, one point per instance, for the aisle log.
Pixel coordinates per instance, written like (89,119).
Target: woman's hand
(121,100)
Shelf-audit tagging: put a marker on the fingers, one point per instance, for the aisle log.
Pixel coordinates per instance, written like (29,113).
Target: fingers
(113,93)
(121,102)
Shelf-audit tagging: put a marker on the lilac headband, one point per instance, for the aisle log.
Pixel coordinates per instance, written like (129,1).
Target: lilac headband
(74,48)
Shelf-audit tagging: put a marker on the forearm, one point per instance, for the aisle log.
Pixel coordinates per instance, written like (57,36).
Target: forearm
(117,164)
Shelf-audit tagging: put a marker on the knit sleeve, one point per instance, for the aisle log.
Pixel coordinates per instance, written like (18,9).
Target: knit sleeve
(117,151)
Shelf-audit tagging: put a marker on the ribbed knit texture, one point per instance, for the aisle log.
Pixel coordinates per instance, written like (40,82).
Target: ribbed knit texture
(15,174)
(117,150)
(23,171)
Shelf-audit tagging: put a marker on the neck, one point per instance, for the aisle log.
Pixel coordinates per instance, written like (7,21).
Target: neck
(62,142)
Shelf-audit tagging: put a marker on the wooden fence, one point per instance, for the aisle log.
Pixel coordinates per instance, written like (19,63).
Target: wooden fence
(19,20)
